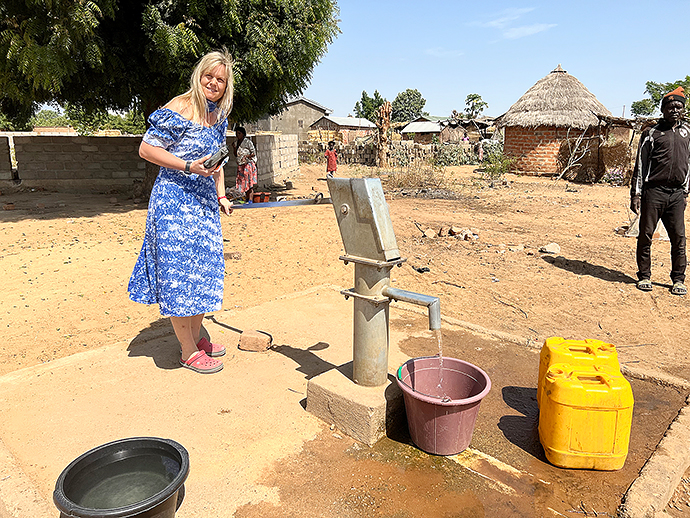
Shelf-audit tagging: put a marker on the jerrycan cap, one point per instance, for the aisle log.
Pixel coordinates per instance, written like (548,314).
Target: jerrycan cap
(559,370)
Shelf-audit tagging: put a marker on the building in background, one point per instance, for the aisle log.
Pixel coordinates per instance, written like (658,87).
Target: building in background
(340,129)
(295,119)
(423,129)
(554,128)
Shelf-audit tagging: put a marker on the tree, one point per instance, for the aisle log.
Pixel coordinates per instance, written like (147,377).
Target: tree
(475,105)
(367,106)
(48,118)
(656,92)
(100,55)
(408,105)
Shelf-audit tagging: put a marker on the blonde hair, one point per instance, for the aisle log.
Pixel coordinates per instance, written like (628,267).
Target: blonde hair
(195,95)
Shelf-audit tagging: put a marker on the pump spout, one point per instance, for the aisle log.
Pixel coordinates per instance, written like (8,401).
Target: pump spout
(432,303)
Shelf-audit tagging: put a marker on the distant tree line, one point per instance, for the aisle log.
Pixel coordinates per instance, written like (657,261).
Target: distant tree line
(129,123)
(656,91)
(409,105)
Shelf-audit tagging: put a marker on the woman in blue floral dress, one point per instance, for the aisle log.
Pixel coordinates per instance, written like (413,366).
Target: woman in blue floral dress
(181,265)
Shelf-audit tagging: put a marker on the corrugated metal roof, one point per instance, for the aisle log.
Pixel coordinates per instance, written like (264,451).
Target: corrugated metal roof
(349,121)
(430,118)
(422,127)
(301,98)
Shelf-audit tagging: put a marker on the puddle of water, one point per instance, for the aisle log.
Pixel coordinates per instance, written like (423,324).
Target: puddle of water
(506,427)
(503,473)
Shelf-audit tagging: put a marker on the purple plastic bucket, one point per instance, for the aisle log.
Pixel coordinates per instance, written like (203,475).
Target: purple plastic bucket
(441,420)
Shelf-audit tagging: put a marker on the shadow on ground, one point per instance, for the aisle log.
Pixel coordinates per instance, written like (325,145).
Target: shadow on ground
(584,268)
(159,343)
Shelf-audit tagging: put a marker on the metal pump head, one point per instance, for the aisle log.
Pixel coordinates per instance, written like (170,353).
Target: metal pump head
(363,218)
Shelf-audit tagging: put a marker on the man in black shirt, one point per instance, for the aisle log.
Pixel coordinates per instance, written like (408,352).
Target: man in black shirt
(659,189)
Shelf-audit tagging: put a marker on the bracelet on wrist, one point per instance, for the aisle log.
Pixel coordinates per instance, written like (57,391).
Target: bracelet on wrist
(187,166)
(222,198)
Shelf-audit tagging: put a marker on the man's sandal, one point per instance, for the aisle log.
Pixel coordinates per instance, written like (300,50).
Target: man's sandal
(644,285)
(679,289)
(201,363)
(213,350)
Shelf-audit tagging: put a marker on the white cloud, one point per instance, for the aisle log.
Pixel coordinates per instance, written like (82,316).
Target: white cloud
(506,17)
(526,30)
(505,22)
(440,52)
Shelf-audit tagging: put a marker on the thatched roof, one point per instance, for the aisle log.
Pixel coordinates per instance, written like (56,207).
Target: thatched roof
(558,99)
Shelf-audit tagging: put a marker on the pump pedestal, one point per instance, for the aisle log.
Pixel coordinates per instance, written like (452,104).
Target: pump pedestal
(366,414)
(361,397)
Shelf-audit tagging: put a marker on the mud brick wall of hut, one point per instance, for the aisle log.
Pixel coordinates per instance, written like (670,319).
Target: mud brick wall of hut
(544,151)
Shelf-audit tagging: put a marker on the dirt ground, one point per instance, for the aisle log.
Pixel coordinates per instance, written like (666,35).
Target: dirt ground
(67,260)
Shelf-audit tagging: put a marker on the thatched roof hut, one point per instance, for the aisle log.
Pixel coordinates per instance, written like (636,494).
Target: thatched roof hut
(559,100)
(542,126)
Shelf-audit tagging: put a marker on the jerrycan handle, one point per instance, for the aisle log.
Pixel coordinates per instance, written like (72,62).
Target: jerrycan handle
(593,379)
(581,349)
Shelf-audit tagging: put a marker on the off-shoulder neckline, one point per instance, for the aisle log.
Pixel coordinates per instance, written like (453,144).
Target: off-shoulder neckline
(218,120)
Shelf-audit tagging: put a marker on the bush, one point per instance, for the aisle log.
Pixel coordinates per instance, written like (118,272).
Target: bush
(492,148)
(400,157)
(449,154)
(615,177)
(419,176)
(496,163)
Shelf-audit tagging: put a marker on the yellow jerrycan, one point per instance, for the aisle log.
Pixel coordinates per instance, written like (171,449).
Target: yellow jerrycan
(585,417)
(578,353)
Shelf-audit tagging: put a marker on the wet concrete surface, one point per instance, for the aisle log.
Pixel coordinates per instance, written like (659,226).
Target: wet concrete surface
(504,472)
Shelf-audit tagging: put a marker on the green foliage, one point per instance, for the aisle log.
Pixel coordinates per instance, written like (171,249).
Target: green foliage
(48,118)
(85,122)
(132,123)
(475,105)
(496,163)
(366,107)
(407,105)
(101,55)
(13,125)
(453,154)
(656,92)
(644,107)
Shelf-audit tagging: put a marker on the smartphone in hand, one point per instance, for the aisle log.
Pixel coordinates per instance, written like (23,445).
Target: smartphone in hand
(217,157)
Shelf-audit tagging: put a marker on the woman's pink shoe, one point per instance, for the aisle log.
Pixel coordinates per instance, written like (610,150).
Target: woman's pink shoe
(201,363)
(212,350)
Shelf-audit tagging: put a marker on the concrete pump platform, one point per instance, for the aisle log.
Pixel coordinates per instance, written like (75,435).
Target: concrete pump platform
(256,451)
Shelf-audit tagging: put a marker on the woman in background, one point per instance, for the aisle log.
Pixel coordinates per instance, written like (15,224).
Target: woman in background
(244,150)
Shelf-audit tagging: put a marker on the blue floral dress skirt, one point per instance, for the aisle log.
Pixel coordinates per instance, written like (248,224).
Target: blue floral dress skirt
(181,265)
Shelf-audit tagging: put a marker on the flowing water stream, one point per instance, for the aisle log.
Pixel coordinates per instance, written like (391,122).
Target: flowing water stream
(439,340)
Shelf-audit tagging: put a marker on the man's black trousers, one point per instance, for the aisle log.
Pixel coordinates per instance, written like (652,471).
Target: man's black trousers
(668,205)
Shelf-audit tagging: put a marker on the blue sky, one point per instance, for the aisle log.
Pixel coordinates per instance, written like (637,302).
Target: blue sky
(449,49)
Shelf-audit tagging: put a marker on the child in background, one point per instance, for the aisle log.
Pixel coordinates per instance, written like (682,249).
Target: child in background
(331,160)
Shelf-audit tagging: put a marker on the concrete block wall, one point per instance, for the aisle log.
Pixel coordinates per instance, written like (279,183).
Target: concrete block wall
(5,159)
(82,163)
(351,153)
(277,157)
(103,164)
(366,154)
(543,150)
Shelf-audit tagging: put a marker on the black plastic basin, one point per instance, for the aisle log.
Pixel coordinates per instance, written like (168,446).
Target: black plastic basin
(141,477)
